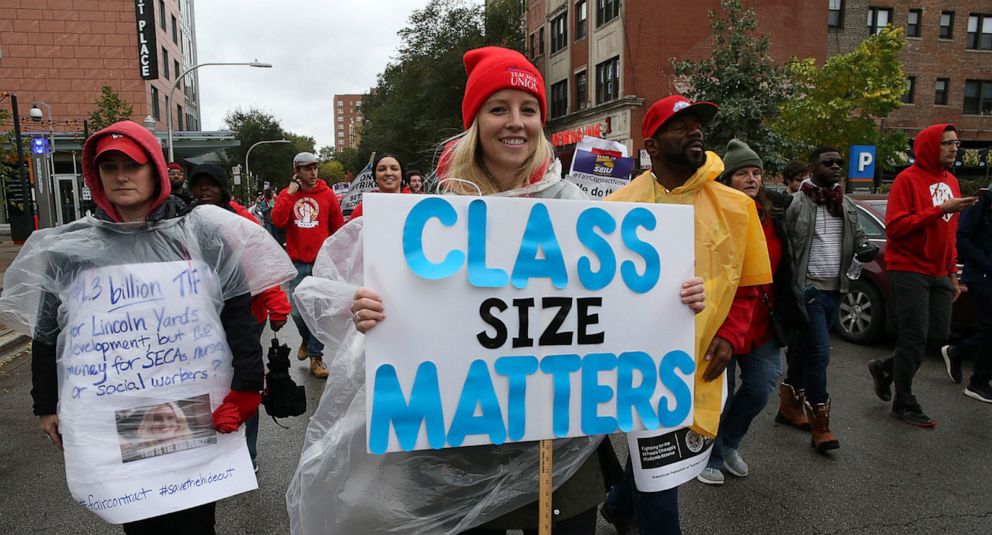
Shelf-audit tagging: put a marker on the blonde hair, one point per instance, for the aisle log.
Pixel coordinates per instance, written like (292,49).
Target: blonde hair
(461,157)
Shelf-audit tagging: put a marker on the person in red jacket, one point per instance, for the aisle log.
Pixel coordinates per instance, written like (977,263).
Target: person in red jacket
(921,223)
(208,184)
(309,212)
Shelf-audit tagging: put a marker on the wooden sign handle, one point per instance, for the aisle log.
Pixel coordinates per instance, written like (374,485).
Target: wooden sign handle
(544,501)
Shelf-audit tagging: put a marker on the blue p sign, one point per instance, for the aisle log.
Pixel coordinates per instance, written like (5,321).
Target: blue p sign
(862,162)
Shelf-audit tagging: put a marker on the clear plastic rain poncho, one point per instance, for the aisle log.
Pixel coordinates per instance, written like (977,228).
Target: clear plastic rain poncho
(142,357)
(340,488)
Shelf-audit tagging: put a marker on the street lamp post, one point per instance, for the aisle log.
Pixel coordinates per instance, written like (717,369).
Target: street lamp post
(51,131)
(247,170)
(168,111)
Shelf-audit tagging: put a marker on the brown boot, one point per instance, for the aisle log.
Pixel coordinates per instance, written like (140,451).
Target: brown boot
(790,407)
(317,368)
(821,437)
(302,353)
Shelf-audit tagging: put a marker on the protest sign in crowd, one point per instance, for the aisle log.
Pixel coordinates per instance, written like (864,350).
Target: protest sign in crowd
(518,312)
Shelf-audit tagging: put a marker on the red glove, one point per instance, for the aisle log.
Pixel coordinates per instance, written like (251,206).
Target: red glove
(237,408)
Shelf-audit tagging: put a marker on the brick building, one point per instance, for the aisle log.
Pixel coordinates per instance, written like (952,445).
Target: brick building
(62,51)
(347,121)
(606,61)
(948,61)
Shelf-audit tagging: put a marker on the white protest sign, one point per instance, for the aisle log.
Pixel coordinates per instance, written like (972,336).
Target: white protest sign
(365,181)
(513,320)
(144,363)
(665,459)
(600,167)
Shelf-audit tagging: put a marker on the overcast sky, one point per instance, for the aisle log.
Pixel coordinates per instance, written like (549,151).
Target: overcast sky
(318,48)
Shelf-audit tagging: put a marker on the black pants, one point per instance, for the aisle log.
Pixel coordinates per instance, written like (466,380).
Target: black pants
(979,345)
(923,316)
(196,521)
(581,524)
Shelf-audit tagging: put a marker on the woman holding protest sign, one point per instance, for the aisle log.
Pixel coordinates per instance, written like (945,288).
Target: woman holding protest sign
(140,306)
(776,309)
(388,177)
(481,489)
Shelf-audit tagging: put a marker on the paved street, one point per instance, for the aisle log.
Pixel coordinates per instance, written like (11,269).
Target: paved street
(886,478)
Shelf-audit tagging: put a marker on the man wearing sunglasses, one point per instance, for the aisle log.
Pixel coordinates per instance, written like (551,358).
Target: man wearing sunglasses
(825,237)
(921,223)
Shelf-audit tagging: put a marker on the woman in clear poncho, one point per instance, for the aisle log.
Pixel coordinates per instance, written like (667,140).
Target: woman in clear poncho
(138,229)
(338,487)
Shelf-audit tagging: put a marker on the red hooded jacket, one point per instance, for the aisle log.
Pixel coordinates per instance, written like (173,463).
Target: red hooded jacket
(309,217)
(153,149)
(271,303)
(922,239)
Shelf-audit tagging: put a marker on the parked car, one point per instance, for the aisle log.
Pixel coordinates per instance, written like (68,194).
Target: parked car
(864,315)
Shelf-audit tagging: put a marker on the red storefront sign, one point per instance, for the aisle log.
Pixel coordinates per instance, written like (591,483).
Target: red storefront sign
(574,135)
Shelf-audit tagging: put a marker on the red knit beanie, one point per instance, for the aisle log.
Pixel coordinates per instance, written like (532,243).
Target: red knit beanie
(491,69)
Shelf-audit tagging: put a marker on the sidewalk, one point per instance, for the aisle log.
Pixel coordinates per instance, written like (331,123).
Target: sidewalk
(10,342)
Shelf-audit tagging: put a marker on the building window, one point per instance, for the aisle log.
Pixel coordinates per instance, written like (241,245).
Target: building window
(946,24)
(559,32)
(175,30)
(913,22)
(533,45)
(165,62)
(606,10)
(878,18)
(540,41)
(340,127)
(835,14)
(175,68)
(559,99)
(340,119)
(608,80)
(980,32)
(940,91)
(161,14)
(155,113)
(581,17)
(341,134)
(179,117)
(581,90)
(907,97)
(978,97)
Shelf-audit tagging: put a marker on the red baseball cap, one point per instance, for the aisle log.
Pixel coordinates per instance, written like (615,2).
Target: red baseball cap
(674,106)
(175,166)
(122,143)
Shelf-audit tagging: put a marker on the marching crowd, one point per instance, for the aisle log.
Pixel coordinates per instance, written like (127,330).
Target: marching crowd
(771,271)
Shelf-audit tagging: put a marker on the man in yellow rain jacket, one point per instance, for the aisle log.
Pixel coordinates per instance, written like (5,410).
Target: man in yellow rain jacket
(732,258)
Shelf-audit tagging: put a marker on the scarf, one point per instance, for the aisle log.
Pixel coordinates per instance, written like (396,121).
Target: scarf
(833,198)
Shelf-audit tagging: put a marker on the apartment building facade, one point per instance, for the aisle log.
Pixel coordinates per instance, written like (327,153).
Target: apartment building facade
(606,61)
(947,62)
(348,120)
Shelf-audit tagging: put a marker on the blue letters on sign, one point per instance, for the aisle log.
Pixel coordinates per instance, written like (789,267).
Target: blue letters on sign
(629,397)
(389,406)
(639,217)
(594,393)
(413,239)
(681,361)
(539,234)
(560,367)
(477,392)
(479,275)
(588,220)
(516,370)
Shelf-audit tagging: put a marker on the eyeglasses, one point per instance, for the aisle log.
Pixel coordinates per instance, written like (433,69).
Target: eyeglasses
(830,163)
(949,142)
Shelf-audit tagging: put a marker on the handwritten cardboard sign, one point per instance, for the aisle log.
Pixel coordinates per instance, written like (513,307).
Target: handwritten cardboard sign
(513,320)
(143,363)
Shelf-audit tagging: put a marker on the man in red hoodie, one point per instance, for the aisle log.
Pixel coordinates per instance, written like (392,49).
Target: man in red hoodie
(309,212)
(921,223)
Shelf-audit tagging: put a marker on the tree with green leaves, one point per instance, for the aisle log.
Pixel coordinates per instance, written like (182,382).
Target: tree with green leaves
(742,78)
(271,162)
(414,105)
(844,102)
(110,108)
